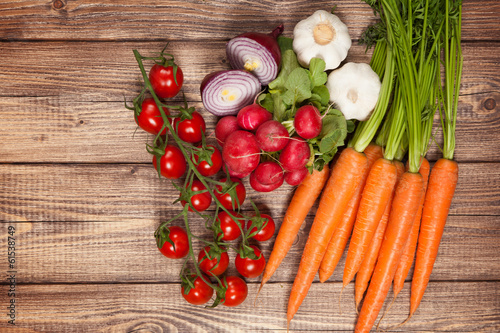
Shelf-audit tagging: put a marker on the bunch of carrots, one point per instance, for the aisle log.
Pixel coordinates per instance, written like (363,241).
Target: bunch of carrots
(393,214)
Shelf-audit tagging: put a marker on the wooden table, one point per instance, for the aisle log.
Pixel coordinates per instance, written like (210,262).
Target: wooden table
(78,186)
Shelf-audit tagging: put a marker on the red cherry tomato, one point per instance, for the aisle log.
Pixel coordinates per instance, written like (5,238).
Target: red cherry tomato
(267,230)
(214,263)
(150,118)
(181,243)
(206,169)
(236,291)
(163,81)
(190,130)
(251,268)
(172,163)
(200,201)
(230,229)
(225,198)
(200,294)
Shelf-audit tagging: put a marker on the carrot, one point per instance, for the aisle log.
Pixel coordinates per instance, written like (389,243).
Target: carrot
(368,265)
(442,183)
(341,235)
(376,195)
(344,179)
(409,251)
(403,211)
(302,201)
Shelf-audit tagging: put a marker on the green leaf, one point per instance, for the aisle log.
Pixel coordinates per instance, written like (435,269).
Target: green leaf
(266,101)
(288,64)
(351,126)
(317,69)
(331,123)
(322,95)
(285,43)
(279,107)
(331,141)
(298,85)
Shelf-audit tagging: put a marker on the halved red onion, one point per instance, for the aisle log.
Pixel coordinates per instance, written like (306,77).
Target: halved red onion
(257,53)
(224,93)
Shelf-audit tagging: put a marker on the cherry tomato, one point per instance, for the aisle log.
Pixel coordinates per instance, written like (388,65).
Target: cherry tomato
(189,130)
(230,230)
(206,169)
(200,201)
(250,268)
(200,294)
(212,265)
(267,230)
(172,163)
(236,291)
(163,82)
(180,239)
(225,199)
(150,118)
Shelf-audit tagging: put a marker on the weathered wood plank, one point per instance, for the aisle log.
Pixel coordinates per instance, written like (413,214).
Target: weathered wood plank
(86,71)
(126,20)
(446,307)
(126,252)
(58,129)
(120,192)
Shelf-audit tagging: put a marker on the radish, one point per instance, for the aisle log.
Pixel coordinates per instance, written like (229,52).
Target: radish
(233,173)
(272,136)
(268,173)
(295,155)
(307,122)
(295,177)
(241,152)
(224,127)
(252,116)
(259,187)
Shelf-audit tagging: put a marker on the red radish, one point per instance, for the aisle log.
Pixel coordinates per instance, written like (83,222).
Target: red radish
(272,136)
(233,173)
(295,155)
(268,173)
(225,126)
(224,93)
(307,122)
(241,152)
(259,187)
(295,177)
(257,53)
(252,116)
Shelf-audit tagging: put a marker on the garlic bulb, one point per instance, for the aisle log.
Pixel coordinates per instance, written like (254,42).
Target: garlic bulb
(321,35)
(354,89)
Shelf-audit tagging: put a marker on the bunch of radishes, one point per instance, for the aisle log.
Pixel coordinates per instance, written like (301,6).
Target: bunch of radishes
(255,145)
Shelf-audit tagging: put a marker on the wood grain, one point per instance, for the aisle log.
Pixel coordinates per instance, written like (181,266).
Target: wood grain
(107,71)
(201,20)
(59,129)
(464,307)
(116,192)
(103,252)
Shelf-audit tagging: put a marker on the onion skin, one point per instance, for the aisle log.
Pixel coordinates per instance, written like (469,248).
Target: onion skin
(255,45)
(212,85)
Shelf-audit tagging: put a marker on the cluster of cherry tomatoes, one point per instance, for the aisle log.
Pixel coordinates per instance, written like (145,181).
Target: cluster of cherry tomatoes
(187,127)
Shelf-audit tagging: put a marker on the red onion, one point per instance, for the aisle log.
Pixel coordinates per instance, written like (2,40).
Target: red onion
(225,92)
(257,53)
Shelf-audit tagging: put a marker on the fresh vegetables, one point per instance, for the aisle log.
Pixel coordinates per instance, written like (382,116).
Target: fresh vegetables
(321,35)
(354,89)
(149,118)
(257,53)
(172,163)
(252,116)
(307,122)
(196,292)
(176,243)
(250,266)
(166,77)
(272,136)
(225,92)
(225,126)
(190,126)
(241,152)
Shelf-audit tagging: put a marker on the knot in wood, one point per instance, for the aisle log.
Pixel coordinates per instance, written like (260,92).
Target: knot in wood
(490,104)
(58,4)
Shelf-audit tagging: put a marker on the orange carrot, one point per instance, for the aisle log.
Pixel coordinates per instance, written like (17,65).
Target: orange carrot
(409,251)
(441,188)
(368,265)
(403,211)
(345,177)
(376,194)
(302,201)
(341,235)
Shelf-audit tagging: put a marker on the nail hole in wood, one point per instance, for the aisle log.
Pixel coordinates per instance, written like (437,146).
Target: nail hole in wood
(58,4)
(490,104)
